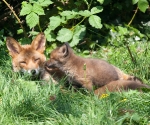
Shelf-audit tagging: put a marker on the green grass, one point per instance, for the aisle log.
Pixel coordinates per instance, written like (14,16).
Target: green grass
(24,102)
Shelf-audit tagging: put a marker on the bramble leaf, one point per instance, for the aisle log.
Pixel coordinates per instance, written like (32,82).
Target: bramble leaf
(96,9)
(69,14)
(32,19)
(143,5)
(38,9)
(95,21)
(134,1)
(78,35)
(122,30)
(26,9)
(45,3)
(85,13)
(50,36)
(64,35)
(66,13)
(55,21)
(101,1)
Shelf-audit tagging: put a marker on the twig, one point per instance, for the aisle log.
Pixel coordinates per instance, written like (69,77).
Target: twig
(133,16)
(130,53)
(16,17)
(132,58)
(39,27)
(7,13)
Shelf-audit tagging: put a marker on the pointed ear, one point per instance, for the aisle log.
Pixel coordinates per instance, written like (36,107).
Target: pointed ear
(13,46)
(64,49)
(39,43)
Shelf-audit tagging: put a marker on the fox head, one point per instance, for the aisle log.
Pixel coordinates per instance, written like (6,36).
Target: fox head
(27,58)
(60,56)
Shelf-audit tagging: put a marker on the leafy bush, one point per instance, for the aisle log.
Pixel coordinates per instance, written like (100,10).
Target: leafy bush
(79,22)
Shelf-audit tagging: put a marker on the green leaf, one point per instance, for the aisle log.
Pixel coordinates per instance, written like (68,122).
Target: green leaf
(32,19)
(19,31)
(66,13)
(143,5)
(86,52)
(45,3)
(134,1)
(101,1)
(38,9)
(96,9)
(122,30)
(55,21)
(33,1)
(69,14)
(50,48)
(26,9)
(48,30)
(63,20)
(64,35)
(78,35)
(50,36)
(95,21)
(85,13)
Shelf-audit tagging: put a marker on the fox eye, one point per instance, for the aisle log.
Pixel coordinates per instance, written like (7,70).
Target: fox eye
(22,62)
(37,59)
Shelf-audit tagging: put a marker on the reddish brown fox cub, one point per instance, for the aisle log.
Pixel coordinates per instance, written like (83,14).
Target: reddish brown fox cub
(91,73)
(30,58)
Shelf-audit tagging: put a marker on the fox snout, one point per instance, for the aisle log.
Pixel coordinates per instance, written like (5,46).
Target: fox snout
(32,72)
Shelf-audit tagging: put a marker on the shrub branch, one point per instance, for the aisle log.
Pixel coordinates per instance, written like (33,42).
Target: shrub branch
(133,16)
(16,17)
(130,53)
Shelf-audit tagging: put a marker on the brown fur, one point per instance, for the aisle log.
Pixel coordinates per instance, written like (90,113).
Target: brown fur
(27,58)
(52,73)
(30,58)
(90,73)
(120,85)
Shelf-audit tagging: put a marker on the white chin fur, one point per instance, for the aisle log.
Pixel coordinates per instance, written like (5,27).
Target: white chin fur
(30,72)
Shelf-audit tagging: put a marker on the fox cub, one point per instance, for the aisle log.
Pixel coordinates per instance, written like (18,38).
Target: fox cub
(31,58)
(91,73)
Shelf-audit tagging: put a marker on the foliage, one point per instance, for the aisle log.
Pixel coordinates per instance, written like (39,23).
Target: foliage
(77,22)
(33,10)
(74,33)
(1,37)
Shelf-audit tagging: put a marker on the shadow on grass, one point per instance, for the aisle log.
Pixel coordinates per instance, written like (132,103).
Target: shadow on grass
(64,103)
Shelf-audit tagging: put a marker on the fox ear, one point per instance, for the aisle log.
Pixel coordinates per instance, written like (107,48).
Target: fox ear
(13,46)
(39,43)
(64,49)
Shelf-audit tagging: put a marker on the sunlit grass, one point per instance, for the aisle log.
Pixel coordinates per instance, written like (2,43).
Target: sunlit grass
(24,102)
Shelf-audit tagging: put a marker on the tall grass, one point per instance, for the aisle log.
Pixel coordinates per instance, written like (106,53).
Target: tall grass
(24,102)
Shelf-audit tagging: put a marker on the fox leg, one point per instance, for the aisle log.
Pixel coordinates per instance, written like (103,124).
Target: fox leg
(120,85)
(46,76)
(86,83)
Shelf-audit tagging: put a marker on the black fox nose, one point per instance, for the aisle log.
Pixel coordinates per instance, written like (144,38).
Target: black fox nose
(33,72)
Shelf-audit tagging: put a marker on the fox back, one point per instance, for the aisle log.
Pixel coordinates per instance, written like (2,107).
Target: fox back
(27,58)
